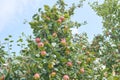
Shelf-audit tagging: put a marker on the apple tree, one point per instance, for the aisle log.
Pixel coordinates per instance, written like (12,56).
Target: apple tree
(54,53)
(109,41)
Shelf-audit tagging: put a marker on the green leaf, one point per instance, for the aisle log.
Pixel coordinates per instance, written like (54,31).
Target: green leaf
(46,7)
(6,39)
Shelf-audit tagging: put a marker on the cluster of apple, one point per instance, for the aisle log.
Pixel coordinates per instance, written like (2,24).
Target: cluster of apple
(62,35)
(43,53)
(61,19)
(40,44)
(53,74)
(37,76)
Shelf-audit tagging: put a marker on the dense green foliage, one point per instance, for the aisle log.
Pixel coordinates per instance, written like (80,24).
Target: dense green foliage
(55,54)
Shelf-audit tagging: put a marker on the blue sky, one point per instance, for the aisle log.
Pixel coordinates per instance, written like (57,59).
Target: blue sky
(14,12)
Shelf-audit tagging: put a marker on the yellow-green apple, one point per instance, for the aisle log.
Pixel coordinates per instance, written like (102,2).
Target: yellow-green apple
(53,74)
(50,65)
(2,77)
(82,70)
(54,34)
(67,51)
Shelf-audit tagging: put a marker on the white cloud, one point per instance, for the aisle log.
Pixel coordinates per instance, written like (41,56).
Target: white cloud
(8,9)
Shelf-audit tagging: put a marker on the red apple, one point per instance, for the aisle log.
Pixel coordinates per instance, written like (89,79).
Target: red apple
(46,42)
(62,18)
(66,77)
(82,70)
(43,53)
(40,44)
(69,64)
(36,76)
(79,62)
(59,20)
(63,41)
(37,40)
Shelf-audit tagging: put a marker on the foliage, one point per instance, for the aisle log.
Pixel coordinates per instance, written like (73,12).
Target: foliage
(110,40)
(55,54)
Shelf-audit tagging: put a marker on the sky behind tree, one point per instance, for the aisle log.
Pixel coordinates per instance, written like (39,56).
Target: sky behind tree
(15,12)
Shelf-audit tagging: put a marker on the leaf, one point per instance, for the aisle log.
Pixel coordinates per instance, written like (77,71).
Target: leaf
(34,16)
(39,9)
(114,78)
(46,7)
(11,41)
(10,36)
(6,39)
